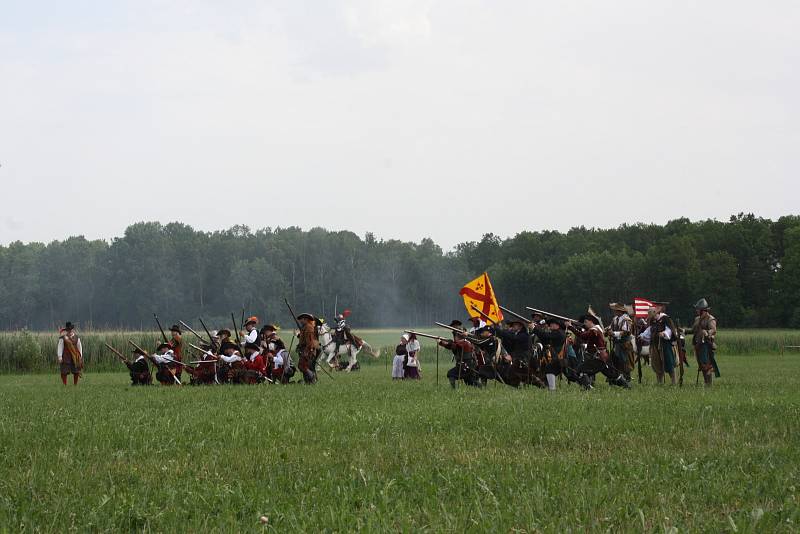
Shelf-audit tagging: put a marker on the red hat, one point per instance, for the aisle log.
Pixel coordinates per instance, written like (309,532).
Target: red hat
(251,320)
(346,313)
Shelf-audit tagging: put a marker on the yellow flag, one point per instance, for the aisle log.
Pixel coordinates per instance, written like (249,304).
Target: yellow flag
(479,293)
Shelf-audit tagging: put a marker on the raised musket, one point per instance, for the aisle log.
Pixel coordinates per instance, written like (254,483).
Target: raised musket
(190,329)
(515,314)
(163,335)
(429,336)
(118,353)
(548,314)
(214,344)
(473,339)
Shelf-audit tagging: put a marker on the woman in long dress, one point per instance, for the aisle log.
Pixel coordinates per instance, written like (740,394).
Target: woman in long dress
(411,368)
(400,354)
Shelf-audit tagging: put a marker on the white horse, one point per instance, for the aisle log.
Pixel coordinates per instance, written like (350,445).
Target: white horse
(349,349)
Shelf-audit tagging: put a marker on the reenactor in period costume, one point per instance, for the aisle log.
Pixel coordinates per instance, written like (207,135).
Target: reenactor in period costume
(661,333)
(704,333)
(176,345)
(477,324)
(463,355)
(206,371)
(250,334)
(254,368)
(308,347)
(596,358)
(557,351)
(275,354)
(518,344)
(223,336)
(620,331)
(165,362)
(70,354)
(231,361)
(139,370)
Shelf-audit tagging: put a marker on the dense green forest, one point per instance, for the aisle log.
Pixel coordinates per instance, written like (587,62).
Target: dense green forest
(748,268)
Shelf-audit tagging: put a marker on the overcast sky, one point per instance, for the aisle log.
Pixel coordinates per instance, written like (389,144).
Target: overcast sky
(410,119)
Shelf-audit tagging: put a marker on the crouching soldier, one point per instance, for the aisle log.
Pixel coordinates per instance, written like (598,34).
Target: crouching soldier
(139,369)
(596,359)
(463,355)
(165,362)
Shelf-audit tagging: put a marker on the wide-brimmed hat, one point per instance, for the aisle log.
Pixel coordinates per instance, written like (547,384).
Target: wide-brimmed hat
(306,316)
(455,323)
(224,332)
(175,328)
(251,320)
(163,346)
(228,345)
(269,327)
(616,306)
(593,318)
(251,346)
(559,322)
(702,304)
(69,326)
(514,320)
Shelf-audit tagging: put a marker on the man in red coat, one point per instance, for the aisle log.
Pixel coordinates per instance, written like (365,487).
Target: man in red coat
(254,361)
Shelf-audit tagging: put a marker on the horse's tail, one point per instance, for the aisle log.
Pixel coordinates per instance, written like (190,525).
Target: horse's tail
(372,352)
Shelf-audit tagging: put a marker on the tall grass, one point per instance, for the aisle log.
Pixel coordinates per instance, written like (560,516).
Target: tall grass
(24,351)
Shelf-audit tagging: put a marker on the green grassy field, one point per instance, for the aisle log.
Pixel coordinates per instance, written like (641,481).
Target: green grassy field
(361,452)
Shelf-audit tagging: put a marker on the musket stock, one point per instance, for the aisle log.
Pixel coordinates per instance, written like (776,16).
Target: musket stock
(118,353)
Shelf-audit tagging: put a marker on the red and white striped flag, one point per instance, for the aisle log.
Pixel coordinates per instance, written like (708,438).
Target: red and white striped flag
(640,307)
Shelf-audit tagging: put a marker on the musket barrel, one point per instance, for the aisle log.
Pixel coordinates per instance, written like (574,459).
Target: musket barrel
(429,336)
(515,314)
(190,329)
(548,314)
(115,351)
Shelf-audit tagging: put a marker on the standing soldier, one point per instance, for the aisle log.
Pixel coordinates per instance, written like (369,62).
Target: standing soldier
(660,334)
(621,333)
(704,332)
(70,354)
(308,347)
(176,345)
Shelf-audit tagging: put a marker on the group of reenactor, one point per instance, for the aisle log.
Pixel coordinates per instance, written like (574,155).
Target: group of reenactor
(540,350)
(255,356)
(536,351)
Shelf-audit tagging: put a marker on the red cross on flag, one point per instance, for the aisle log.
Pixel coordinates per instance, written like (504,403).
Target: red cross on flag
(641,306)
(479,293)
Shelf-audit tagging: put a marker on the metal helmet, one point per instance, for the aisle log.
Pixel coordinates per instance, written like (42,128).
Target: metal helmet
(701,304)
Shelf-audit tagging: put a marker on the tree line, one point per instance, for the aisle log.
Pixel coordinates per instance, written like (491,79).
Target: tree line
(747,267)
